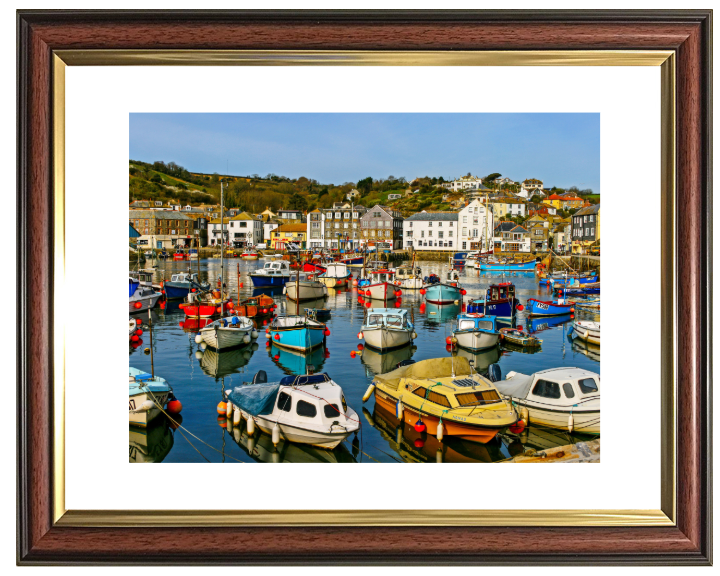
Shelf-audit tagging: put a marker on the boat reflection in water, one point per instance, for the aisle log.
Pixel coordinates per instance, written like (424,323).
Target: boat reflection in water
(379,363)
(268,290)
(539,438)
(152,443)
(291,306)
(414,446)
(293,362)
(436,314)
(538,324)
(261,449)
(510,347)
(592,351)
(481,358)
(220,364)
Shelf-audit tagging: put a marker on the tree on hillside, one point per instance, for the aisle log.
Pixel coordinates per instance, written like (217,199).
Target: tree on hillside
(297,202)
(365,185)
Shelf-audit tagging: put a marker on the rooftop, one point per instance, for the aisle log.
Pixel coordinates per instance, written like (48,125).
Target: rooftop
(434,216)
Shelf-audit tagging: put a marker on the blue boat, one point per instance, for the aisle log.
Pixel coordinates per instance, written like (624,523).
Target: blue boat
(275,273)
(134,285)
(297,332)
(509,266)
(499,300)
(443,293)
(180,284)
(548,308)
(476,332)
(570,280)
(582,290)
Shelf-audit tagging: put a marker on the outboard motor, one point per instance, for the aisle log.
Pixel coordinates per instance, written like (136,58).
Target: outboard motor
(494,373)
(260,377)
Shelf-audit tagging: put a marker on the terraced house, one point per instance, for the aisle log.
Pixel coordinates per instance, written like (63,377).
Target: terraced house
(431,231)
(511,237)
(381,226)
(539,229)
(336,227)
(585,229)
(163,228)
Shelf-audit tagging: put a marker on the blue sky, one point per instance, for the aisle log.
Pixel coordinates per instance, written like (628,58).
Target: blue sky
(561,149)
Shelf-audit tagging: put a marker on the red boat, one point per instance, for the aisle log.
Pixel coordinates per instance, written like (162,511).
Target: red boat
(313,267)
(209,306)
(179,256)
(194,324)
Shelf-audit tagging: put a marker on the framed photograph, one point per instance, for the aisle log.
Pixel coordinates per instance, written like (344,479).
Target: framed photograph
(366,238)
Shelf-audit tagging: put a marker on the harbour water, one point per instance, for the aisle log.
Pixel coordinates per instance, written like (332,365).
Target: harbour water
(200,377)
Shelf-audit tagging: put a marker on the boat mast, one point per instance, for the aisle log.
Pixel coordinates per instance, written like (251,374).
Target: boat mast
(222,246)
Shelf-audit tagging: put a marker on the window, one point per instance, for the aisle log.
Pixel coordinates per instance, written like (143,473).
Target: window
(440,224)
(337,214)
(430,233)
(410,223)
(408,233)
(450,234)
(347,214)
(440,234)
(464,233)
(477,398)
(464,219)
(587,385)
(568,389)
(284,402)
(546,389)
(331,410)
(306,409)
(429,224)
(422,233)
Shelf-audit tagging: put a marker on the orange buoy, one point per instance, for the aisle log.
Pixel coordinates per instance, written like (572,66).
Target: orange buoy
(222,408)
(174,406)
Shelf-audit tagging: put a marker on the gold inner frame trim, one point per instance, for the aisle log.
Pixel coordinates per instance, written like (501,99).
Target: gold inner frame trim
(168,518)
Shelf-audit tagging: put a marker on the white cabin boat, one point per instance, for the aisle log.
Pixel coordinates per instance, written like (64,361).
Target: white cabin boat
(306,289)
(388,328)
(408,277)
(148,396)
(563,398)
(306,409)
(588,331)
(336,275)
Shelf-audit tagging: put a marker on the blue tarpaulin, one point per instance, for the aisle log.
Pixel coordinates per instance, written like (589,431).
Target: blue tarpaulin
(255,399)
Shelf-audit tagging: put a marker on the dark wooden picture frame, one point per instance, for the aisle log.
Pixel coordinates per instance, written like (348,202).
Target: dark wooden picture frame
(686,33)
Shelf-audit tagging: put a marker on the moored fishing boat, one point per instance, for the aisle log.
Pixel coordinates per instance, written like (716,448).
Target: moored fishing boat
(445,397)
(227,333)
(592,304)
(274,273)
(260,305)
(476,331)
(441,293)
(548,308)
(519,337)
(180,284)
(205,304)
(336,275)
(379,286)
(148,396)
(303,288)
(563,398)
(306,409)
(588,331)
(387,329)
(297,332)
(408,277)
(499,300)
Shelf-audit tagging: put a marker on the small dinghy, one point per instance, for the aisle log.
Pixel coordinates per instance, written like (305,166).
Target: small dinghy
(515,336)
(227,333)
(448,292)
(143,298)
(335,275)
(476,331)
(588,331)
(205,304)
(387,329)
(306,409)
(180,284)
(563,398)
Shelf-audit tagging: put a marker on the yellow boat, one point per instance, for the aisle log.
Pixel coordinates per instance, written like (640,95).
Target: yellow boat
(447,391)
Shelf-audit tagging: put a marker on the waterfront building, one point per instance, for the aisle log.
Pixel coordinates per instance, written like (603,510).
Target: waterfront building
(475,224)
(162,228)
(585,228)
(288,234)
(539,228)
(242,230)
(383,226)
(511,237)
(336,227)
(431,231)
(268,227)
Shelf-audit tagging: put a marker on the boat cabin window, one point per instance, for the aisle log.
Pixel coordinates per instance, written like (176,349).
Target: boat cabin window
(546,389)
(466,325)
(485,325)
(494,294)
(431,396)
(568,389)
(374,319)
(587,385)
(477,398)
(394,321)
(306,409)
(284,402)
(331,410)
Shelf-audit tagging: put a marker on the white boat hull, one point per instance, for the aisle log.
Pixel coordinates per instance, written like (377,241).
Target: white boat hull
(411,284)
(382,291)
(585,422)
(140,416)
(221,338)
(308,290)
(476,340)
(146,303)
(383,338)
(588,331)
(313,437)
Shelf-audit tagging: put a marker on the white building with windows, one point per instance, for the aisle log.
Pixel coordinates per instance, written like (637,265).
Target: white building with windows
(464,183)
(431,231)
(240,231)
(475,225)
(531,187)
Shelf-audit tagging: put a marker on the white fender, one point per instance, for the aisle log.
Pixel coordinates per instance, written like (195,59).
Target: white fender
(276,434)
(254,334)
(571,423)
(198,355)
(440,431)
(228,409)
(251,426)
(399,409)
(198,339)
(236,415)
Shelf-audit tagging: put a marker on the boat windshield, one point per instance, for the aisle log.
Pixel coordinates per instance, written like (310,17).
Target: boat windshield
(587,385)
(477,398)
